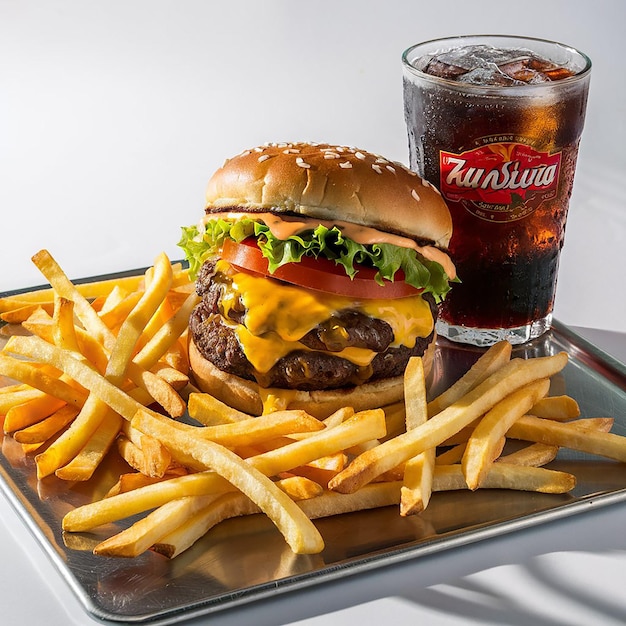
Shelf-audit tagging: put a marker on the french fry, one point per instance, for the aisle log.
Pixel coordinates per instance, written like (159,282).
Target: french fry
(157,387)
(482,448)
(142,534)
(299,533)
(90,289)
(134,480)
(23,311)
(510,377)
(131,329)
(505,476)
(21,394)
(300,487)
(76,437)
(494,358)
(64,333)
(418,470)
(31,412)
(535,455)
(143,452)
(48,427)
(210,411)
(30,374)
(167,335)
(531,428)
(560,408)
(256,429)
(113,314)
(361,426)
(85,463)
(225,507)
(123,505)
(36,348)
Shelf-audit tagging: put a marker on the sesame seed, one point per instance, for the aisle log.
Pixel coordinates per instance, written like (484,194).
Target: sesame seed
(300,162)
(263,157)
(346,165)
(381,160)
(331,155)
(377,168)
(359,155)
(415,195)
(411,172)
(291,151)
(391,168)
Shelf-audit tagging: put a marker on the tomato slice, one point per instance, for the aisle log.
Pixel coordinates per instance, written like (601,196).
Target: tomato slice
(317,274)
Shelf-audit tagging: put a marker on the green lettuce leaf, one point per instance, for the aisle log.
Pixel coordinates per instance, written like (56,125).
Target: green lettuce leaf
(330,243)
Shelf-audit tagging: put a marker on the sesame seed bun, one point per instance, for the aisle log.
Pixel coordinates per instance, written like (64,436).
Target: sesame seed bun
(303,179)
(245,395)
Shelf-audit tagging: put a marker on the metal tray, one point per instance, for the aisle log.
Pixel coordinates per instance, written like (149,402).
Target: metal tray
(246,559)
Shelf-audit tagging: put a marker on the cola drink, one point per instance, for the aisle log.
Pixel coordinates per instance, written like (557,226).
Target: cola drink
(495,123)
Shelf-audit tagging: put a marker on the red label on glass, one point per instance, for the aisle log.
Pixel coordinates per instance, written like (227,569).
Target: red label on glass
(499,181)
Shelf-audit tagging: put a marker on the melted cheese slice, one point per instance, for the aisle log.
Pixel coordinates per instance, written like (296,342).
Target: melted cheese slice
(278,316)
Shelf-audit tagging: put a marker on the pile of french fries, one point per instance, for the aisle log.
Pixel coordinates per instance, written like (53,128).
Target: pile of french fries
(103,366)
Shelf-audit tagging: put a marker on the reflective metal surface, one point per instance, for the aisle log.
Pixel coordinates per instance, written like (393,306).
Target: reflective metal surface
(246,559)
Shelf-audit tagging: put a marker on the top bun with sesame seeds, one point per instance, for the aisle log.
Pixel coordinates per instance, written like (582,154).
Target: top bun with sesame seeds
(320,269)
(327,182)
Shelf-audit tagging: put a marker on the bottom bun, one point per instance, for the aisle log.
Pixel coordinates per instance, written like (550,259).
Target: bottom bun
(247,396)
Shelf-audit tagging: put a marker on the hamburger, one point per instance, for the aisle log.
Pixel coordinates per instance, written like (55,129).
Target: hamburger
(320,269)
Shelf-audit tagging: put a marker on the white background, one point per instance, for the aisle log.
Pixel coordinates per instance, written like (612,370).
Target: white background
(113,115)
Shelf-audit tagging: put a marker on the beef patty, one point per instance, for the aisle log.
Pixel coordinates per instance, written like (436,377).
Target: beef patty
(312,369)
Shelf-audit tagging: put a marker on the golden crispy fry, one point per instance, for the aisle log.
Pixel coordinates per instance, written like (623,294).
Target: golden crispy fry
(505,476)
(113,314)
(31,412)
(360,427)
(566,435)
(256,429)
(167,335)
(64,288)
(91,289)
(143,452)
(483,446)
(34,376)
(84,464)
(494,358)
(135,480)
(510,377)
(78,370)
(210,411)
(300,487)
(132,327)
(129,503)
(418,470)
(158,388)
(64,329)
(76,437)
(226,506)
(301,536)
(43,326)
(23,311)
(142,534)
(48,427)
(21,394)
(560,408)
(535,455)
